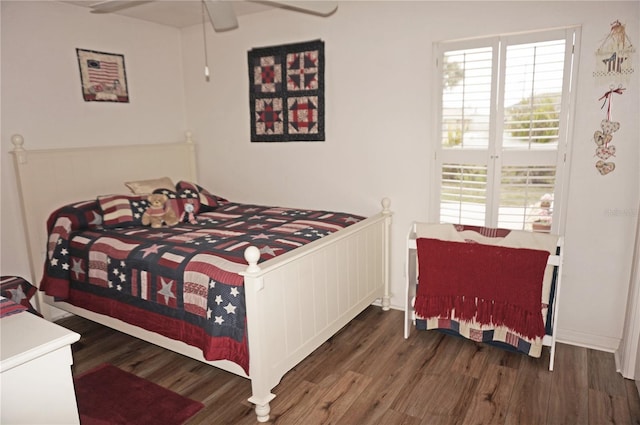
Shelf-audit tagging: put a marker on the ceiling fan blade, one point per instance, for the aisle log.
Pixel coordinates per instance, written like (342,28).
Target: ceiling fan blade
(322,8)
(221,14)
(110,6)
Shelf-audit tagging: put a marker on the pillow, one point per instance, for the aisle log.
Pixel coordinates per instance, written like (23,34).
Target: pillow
(19,291)
(208,201)
(178,201)
(146,187)
(122,210)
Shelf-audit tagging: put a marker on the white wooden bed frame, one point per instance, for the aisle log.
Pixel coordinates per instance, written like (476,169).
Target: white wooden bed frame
(295,301)
(412,279)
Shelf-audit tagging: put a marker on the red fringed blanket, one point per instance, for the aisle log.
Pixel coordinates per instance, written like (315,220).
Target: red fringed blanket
(492,284)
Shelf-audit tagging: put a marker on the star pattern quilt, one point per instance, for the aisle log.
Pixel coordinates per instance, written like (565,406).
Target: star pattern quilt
(182,281)
(286,92)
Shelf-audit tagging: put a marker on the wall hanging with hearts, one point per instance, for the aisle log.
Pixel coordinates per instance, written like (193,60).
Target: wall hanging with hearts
(604,136)
(605,167)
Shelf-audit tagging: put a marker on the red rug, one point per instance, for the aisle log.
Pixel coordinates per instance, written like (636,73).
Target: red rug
(107,395)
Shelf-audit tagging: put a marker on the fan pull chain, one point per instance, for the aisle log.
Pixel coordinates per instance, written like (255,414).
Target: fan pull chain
(204,37)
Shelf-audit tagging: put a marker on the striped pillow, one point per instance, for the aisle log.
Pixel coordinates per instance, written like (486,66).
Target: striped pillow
(122,210)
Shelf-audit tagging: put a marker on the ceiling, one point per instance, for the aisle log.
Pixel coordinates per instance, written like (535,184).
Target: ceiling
(175,13)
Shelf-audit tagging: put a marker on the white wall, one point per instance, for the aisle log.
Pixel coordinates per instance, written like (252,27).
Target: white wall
(42,98)
(378,122)
(379,138)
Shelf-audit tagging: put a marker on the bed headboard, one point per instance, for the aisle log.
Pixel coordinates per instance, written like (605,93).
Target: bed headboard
(50,178)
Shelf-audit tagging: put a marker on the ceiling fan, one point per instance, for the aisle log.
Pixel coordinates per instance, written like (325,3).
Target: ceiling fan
(221,13)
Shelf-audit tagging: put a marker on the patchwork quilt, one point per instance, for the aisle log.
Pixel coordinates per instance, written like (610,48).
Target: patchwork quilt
(286,92)
(182,281)
(487,285)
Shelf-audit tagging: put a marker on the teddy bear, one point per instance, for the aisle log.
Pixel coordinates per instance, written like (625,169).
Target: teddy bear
(158,212)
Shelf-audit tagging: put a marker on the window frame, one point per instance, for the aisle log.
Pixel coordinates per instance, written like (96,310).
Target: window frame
(492,157)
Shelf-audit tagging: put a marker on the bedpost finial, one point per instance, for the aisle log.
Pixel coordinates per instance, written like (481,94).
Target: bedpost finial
(18,150)
(189,136)
(386,203)
(252,255)
(17,141)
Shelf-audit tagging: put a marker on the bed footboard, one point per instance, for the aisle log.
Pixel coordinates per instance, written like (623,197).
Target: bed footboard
(295,304)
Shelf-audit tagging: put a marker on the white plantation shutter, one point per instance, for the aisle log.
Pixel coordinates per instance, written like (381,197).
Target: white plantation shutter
(464,193)
(466,108)
(532,94)
(503,115)
(521,192)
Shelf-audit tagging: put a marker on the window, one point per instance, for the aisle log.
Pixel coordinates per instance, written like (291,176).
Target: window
(503,129)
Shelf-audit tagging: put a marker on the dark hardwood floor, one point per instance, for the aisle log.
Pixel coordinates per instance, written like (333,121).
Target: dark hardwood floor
(369,374)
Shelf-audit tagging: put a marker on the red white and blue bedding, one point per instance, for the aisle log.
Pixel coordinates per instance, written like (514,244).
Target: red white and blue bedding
(182,281)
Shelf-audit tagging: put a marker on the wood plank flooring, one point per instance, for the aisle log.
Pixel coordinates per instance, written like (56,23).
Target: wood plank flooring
(369,374)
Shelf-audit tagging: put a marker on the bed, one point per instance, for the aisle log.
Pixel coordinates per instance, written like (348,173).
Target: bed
(298,299)
(495,286)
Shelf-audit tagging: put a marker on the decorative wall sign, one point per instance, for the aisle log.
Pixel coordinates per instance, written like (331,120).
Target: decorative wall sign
(103,76)
(286,92)
(615,53)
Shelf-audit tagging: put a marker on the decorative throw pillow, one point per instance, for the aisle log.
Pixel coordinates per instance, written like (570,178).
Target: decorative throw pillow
(179,200)
(122,210)
(208,201)
(19,291)
(146,187)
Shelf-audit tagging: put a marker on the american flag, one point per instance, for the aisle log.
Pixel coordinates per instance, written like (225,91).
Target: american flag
(102,72)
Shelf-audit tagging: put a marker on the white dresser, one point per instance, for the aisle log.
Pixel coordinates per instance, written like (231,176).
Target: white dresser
(36,385)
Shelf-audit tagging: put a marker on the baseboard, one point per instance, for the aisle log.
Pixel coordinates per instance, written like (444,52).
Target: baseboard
(579,339)
(618,360)
(595,342)
(392,306)
(57,314)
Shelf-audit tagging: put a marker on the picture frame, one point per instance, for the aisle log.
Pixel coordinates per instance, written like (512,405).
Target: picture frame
(103,76)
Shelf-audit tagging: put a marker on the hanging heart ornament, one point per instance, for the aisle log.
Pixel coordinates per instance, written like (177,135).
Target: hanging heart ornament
(604,152)
(601,138)
(609,127)
(605,167)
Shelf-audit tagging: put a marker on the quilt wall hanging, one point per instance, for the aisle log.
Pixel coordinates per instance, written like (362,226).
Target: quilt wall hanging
(103,76)
(286,92)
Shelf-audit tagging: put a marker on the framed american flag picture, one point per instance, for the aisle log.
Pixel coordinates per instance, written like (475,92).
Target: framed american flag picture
(103,76)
